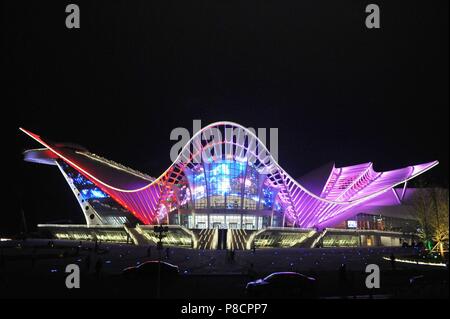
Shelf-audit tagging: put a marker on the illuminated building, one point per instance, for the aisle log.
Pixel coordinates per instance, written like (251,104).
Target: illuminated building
(237,185)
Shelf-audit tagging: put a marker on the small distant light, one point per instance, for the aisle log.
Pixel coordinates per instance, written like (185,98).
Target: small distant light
(53,270)
(108,261)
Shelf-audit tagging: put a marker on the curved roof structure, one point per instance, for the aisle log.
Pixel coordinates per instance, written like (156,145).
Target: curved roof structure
(345,190)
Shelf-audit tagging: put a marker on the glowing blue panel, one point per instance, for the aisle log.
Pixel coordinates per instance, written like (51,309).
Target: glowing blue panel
(228,184)
(93,193)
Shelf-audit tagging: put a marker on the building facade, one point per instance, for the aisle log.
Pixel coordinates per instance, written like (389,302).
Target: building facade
(225,178)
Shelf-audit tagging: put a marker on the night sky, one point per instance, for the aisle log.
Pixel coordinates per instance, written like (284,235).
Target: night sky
(336,90)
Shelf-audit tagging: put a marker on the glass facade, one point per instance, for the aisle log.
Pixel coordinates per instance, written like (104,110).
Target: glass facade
(221,221)
(380,222)
(221,194)
(197,183)
(86,188)
(340,241)
(107,208)
(228,184)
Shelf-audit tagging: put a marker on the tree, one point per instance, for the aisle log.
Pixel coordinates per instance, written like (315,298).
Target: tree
(431,207)
(439,223)
(422,206)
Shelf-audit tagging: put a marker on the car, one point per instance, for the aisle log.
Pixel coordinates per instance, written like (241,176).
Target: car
(150,269)
(283,285)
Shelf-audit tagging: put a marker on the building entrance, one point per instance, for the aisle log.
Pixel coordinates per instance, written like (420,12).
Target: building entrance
(225,221)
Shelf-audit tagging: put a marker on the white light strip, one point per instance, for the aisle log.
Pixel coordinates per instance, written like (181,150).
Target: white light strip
(250,133)
(417,262)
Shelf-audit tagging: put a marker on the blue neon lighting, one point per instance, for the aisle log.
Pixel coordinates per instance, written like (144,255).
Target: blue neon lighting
(92,193)
(229,184)
(87,189)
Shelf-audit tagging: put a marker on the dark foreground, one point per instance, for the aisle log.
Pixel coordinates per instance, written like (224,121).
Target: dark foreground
(34,269)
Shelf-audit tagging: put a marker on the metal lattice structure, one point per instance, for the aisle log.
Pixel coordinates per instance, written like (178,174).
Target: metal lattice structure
(346,190)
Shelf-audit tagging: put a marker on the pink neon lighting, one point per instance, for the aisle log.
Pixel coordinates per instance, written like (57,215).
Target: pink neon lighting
(345,192)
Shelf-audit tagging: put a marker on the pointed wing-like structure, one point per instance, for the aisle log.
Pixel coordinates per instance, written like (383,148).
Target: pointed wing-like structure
(320,202)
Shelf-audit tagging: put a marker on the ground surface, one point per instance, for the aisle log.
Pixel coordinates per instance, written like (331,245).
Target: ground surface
(32,268)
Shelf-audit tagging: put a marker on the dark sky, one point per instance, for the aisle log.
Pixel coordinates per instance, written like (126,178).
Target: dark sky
(135,70)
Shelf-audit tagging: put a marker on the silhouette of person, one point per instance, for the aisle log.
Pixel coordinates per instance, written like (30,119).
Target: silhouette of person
(343,272)
(393,261)
(342,276)
(88,262)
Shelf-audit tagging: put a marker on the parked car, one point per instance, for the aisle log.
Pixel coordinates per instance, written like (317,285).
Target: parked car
(283,285)
(150,269)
